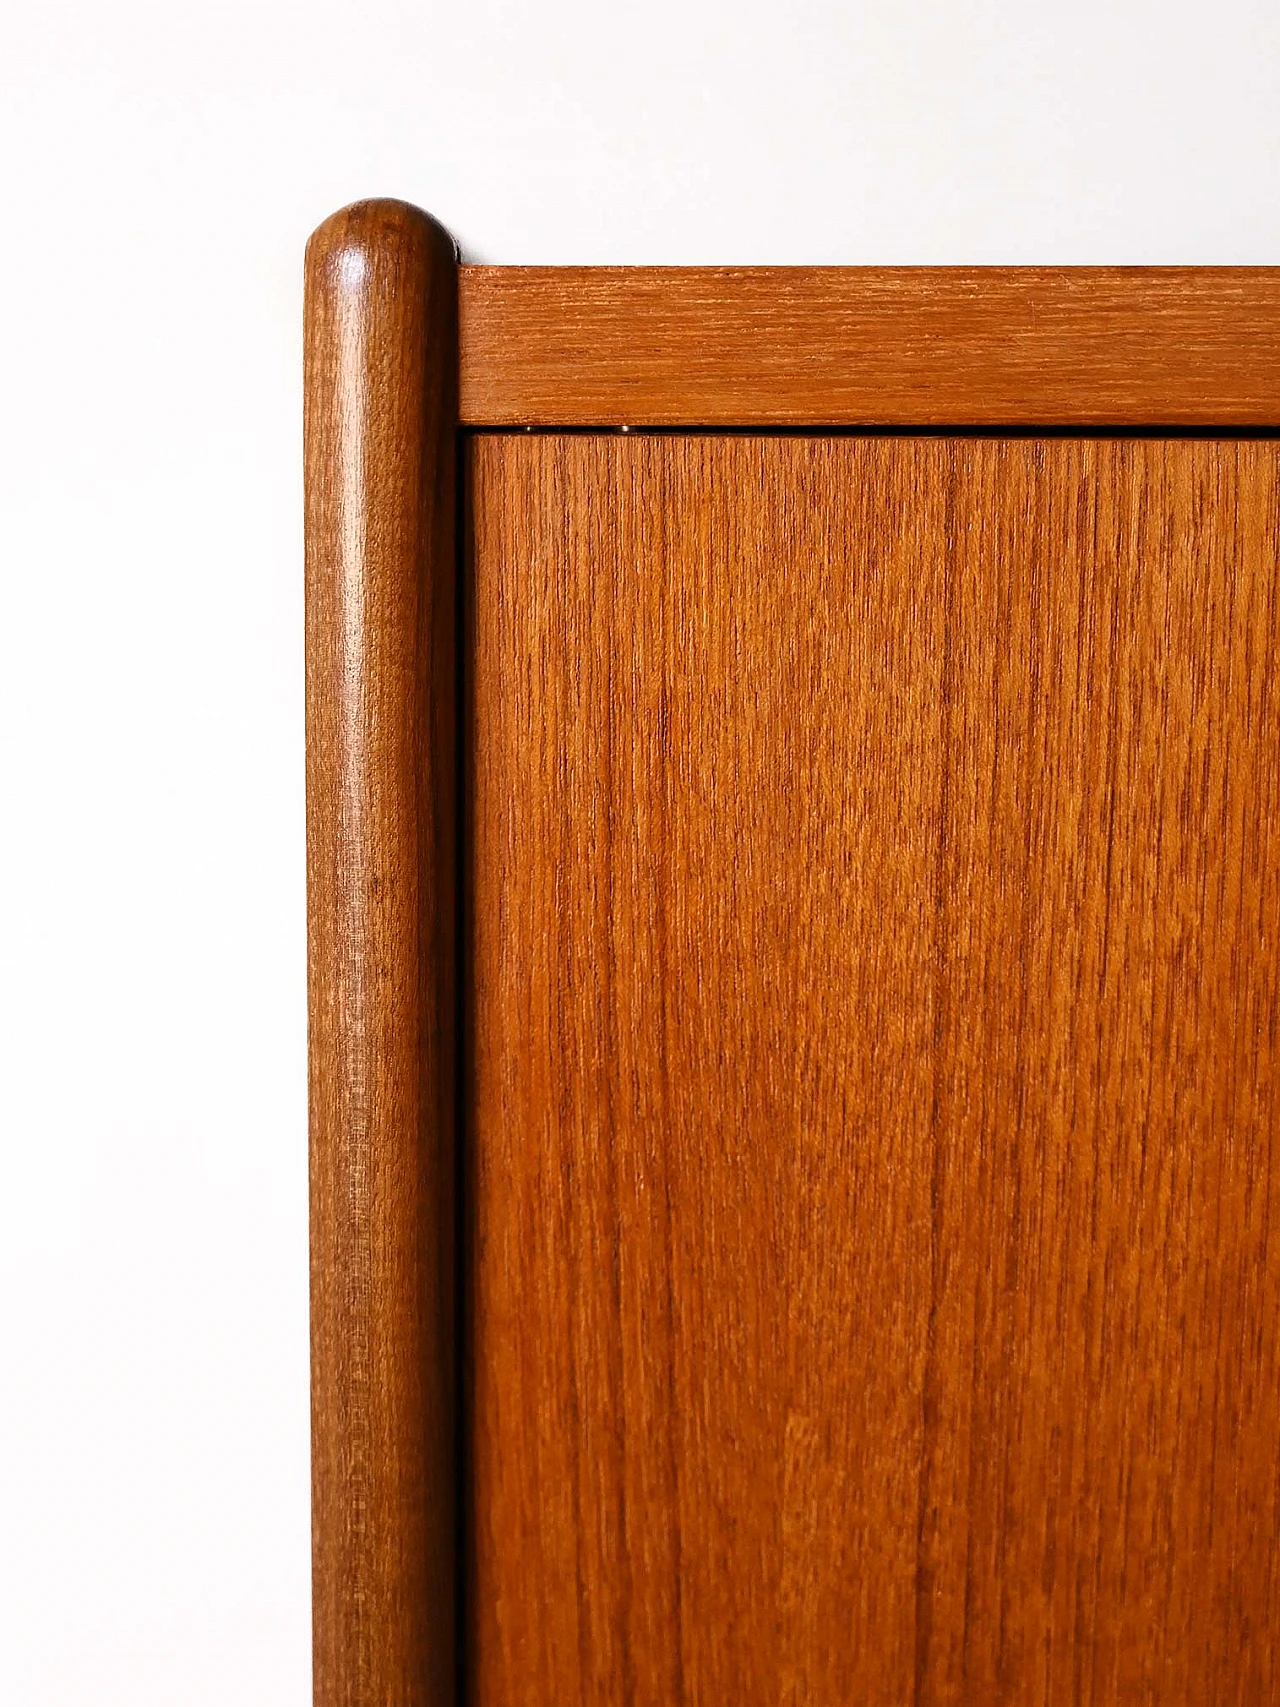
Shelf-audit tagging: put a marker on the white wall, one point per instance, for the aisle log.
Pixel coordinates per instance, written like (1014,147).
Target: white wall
(163,164)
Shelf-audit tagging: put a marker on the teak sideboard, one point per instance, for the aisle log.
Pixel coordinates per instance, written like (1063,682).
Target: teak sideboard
(794,897)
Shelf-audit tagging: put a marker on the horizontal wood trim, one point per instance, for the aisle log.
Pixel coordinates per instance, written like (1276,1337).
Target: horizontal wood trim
(861,346)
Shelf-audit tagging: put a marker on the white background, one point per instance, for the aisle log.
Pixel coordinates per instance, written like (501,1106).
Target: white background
(162,166)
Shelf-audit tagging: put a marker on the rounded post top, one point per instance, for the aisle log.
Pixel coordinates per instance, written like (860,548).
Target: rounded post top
(367,235)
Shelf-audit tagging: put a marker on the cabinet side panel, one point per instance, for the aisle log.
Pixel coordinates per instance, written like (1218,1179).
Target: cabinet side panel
(876,990)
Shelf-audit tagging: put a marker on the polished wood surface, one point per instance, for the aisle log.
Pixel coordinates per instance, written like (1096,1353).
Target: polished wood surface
(873,1097)
(382,812)
(908,346)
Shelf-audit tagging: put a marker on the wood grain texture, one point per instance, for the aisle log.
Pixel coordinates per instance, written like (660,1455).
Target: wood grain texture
(876,989)
(382,807)
(832,346)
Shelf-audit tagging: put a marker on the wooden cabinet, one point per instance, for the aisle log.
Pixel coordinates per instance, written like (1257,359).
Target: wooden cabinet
(796,982)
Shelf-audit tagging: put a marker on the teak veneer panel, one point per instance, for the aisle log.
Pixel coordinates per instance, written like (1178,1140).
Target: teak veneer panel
(888,346)
(873,1107)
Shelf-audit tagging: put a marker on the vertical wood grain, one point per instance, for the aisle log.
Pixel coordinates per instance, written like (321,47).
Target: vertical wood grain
(874,1106)
(381,421)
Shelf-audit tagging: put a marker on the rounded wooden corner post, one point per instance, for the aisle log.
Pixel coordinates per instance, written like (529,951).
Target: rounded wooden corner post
(381,419)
